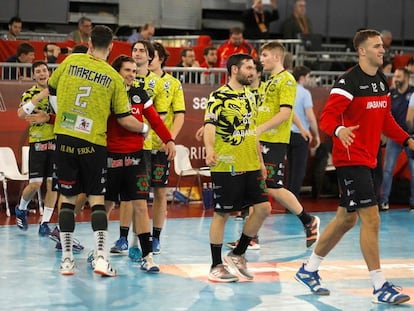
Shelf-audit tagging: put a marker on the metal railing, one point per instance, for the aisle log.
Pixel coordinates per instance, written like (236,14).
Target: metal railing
(39,36)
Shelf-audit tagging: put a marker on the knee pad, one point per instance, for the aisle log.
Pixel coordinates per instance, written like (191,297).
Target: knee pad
(67,217)
(99,219)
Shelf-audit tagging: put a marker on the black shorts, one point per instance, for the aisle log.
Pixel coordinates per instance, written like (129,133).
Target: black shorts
(80,166)
(274,157)
(41,159)
(356,187)
(160,169)
(127,177)
(235,192)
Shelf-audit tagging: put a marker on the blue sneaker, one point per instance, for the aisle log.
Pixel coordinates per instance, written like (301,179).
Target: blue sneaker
(389,294)
(44,229)
(135,254)
(76,247)
(311,280)
(156,247)
(121,246)
(21,218)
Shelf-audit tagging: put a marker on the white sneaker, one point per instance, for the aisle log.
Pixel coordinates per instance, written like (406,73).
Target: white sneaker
(220,274)
(103,267)
(67,266)
(148,264)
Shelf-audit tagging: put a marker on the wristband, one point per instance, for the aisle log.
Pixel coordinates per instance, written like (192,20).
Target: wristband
(28,107)
(338,129)
(145,128)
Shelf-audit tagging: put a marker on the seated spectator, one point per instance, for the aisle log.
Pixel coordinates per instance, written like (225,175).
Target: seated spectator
(188,60)
(51,51)
(234,45)
(298,23)
(257,19)
(25,55)
(15,27)
(410,67)
(210,61)
(387,41)
(83,33)
(146,32)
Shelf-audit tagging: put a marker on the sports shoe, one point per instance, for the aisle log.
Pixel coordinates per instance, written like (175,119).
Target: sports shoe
(135,254)
(389,294)
(121,246)
(91,259)
(76,247)
(44,229)
(148,264)
(220,274)
(311,280)
(55,234)
(383,207)
(237,265)
(312,231)
(103,267)
(156,246)
(253,245)
(67,267)
(21,218)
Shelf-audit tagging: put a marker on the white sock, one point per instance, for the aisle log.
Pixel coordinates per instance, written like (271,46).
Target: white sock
(47,214)
(134,240)
(23,204)
(66,239)
(101,247)
(313,263)
(377,278)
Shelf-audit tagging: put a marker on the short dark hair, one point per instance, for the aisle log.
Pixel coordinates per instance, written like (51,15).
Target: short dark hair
(101,36)
(80,48)
(163,54)
(184,51)
(236,30)
(117,62)
(148,46)
(208,49)
(363,35)
(84,19)
(236,60)
(404,70)
(45,47)
(410,61)
(37,64)
(15,19)
(300,71)
(258,64)
(24,48)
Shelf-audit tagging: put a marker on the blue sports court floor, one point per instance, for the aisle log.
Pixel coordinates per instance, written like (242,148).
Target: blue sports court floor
(30,280)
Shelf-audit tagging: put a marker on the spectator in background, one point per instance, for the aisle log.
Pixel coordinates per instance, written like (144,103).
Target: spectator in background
(15,27)
(210,61)
(410,67)
(298,23)
(188,60)
(83,33)
(25,55)
(387,41)
(303,132)
(51,51)
(146,32)
(257,19)
(236,44)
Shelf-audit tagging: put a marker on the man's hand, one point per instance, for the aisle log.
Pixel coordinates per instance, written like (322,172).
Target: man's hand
(170,150)
(346,135)
(37,117)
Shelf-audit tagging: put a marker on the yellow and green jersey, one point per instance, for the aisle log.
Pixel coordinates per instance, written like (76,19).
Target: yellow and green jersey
(280,91)
(174,103)
(259,92)
(44,131)
(234,114)
(153,85)
(87,90)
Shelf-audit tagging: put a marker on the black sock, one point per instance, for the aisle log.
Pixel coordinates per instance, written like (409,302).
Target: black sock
(145,240)
(123,231)
(304,217)
(242,245)
(156,232)
(216,254)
